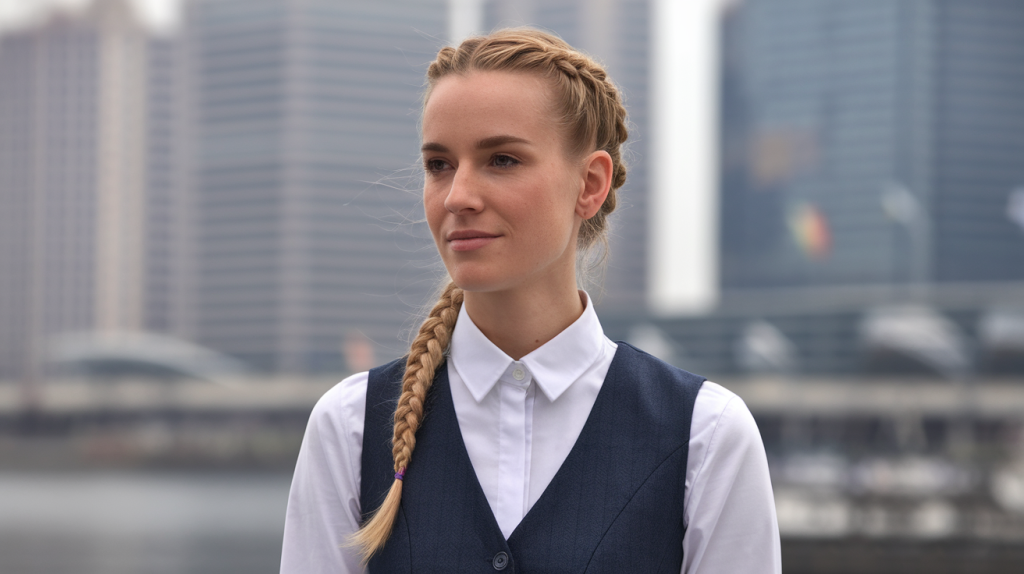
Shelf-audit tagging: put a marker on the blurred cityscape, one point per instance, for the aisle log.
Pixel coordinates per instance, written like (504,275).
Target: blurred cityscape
(210,214)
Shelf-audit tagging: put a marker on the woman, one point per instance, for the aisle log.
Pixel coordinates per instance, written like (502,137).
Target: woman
(515,436)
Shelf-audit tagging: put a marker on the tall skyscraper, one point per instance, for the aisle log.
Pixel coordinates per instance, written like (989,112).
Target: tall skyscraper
(170,218)
(615,32)
(304,178)
(73,153)
(871,143)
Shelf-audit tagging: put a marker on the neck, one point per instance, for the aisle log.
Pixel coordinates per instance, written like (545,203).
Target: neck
(521,320)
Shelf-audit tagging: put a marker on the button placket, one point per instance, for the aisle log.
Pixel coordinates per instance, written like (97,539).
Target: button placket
(512,463)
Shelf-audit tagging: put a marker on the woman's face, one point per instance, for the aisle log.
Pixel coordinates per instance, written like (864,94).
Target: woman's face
(500,194)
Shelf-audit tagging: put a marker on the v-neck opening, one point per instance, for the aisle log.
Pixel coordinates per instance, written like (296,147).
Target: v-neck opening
(574,452)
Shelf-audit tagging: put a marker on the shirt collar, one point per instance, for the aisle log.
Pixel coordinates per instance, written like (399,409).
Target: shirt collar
(555,365)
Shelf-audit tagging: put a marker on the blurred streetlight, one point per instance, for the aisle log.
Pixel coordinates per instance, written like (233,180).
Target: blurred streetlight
(904,209)
(917,333)
(762,347)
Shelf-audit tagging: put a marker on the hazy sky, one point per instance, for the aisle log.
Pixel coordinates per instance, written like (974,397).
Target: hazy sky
(158,13)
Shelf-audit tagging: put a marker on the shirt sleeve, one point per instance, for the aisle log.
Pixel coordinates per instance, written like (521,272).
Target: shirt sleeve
(731,525)
(323,503)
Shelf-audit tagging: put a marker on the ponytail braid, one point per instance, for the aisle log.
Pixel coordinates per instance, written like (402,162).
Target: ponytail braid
(425,356)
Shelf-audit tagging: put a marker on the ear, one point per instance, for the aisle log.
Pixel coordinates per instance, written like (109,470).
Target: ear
(597,181)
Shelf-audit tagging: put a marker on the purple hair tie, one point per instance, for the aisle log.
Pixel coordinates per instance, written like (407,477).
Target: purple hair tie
(400,474)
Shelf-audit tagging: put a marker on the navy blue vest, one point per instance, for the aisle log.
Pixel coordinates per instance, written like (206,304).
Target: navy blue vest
(614,506)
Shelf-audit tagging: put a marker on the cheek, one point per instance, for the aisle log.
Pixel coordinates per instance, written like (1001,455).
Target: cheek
(564,206)
(555,217)
(433,208)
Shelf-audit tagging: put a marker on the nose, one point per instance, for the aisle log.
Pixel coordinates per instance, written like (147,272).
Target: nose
(464,196)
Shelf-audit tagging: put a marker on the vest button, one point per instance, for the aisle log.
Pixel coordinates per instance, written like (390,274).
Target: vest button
(500,561)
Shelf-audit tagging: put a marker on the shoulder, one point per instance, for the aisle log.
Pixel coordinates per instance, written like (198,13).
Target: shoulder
(721,416)
(347,399)
(341,410)
(723,434)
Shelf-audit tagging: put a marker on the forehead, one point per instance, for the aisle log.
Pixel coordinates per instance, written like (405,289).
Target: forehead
(482,104)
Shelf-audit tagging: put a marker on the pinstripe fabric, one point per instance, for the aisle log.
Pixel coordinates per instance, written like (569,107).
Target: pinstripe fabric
(615,505)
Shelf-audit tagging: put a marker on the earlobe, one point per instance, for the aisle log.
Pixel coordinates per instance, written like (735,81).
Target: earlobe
(597,179)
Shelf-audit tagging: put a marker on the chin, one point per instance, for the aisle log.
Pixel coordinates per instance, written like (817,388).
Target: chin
(477,286)
(479,280)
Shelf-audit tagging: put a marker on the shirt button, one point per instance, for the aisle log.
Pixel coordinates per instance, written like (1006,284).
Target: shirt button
(518,374)
(500,561)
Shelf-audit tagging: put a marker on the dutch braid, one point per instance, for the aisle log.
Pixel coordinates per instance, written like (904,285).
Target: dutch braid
(593,118)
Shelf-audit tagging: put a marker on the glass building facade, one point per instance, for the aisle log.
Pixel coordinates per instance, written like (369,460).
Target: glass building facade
(871,142)
(73,197)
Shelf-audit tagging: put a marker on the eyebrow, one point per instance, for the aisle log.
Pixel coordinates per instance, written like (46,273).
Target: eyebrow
(486,143)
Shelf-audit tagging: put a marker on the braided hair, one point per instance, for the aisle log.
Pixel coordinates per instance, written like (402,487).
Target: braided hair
(592,118)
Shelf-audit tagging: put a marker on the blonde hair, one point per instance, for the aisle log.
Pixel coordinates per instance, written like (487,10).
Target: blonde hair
(593,118)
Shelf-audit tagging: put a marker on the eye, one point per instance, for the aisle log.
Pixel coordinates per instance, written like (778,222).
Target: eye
(504,161)
(434,165)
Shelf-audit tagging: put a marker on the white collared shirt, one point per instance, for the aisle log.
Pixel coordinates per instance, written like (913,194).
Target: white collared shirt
(519,420)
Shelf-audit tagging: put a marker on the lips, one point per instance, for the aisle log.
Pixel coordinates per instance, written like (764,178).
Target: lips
(469,239)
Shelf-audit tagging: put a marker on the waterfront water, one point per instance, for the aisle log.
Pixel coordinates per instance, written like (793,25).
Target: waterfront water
(141,522)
